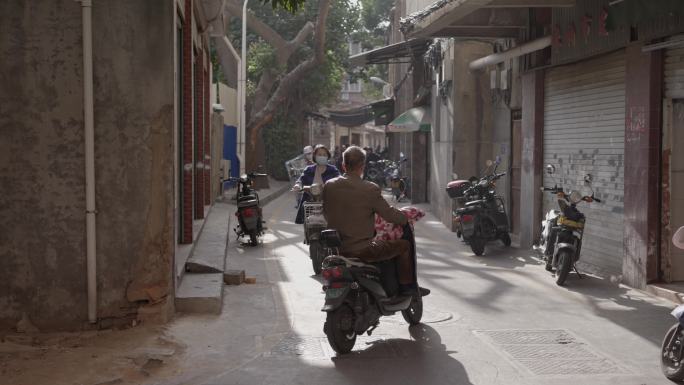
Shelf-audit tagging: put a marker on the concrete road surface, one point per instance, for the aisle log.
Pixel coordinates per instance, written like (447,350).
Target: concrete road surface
(496,319)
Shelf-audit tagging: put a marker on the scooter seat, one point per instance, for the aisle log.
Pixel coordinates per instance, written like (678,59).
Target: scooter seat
(475,203)
(247,198)
(248,203)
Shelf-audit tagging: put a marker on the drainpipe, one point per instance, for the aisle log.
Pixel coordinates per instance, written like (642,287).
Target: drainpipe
(86,6)
(524,49)
(243,82)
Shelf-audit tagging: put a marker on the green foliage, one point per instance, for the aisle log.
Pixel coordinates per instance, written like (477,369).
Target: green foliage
(291,6)
(282,144)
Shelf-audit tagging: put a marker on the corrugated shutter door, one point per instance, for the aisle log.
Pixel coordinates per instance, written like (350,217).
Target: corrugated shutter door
(584,119)
(674,72)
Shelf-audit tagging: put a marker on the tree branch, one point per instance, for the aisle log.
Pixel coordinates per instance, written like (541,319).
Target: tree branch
(287,82)
(284,49)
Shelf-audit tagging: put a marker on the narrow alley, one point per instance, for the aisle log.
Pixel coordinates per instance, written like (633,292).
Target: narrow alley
(496,319)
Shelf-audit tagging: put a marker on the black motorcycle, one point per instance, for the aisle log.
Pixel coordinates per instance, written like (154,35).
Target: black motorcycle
(484,218)
(562,231)
(357,294)
(249,215)
(375,172)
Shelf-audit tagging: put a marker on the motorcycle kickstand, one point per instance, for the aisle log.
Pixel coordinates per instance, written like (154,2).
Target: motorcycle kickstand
(370,331)
(577,271)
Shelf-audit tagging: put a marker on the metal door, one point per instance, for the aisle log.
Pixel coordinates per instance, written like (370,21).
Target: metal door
(584,133)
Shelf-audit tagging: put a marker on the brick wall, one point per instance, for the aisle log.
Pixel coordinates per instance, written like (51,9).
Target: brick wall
(207,138)
(199,135)
(186,204)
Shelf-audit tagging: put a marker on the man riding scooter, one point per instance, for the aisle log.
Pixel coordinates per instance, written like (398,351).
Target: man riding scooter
(350,205)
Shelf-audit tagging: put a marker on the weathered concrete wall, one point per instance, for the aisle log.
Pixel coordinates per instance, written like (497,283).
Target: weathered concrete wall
(134,98)
(441,151)
(472,136)
(532,157)
(42,236)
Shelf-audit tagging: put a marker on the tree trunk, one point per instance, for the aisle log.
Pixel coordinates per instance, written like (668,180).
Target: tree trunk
(263,115)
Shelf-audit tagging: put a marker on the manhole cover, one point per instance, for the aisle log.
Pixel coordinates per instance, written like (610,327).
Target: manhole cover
(549,352)
(310,347)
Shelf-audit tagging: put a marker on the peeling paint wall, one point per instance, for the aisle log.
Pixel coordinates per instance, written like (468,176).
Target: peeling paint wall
(42,235)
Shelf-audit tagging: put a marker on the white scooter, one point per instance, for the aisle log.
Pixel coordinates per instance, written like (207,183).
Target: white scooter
(672,350)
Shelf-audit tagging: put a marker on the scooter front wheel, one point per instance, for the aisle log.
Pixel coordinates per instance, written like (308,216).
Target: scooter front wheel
(315,253)
(339,328)
(564,266)
(671,354)
(478,246)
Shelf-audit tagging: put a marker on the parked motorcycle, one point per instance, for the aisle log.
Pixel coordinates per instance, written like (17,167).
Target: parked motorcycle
(249,215)
(314,223)
(563,230)
(672,349)
(375,172)
(398,182)
(484,218)
(456,190)
(358,294)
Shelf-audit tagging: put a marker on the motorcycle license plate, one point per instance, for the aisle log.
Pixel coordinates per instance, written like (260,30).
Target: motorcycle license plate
(331,293)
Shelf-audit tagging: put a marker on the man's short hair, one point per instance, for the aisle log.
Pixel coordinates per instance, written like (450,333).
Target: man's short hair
(354,157)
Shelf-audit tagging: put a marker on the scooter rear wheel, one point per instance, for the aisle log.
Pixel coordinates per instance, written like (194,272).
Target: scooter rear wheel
(672,367)
(506,239)
(253,238)
(414,313)
(339,328)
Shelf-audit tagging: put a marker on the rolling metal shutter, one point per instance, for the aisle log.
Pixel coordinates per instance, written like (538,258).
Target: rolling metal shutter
(674,72)
(584,133)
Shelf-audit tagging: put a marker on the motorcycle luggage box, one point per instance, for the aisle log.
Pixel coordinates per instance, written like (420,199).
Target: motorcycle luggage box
(247,203)
(457,188)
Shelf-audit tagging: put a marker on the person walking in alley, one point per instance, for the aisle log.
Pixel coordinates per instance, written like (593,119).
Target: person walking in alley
(350,205)
(317,173)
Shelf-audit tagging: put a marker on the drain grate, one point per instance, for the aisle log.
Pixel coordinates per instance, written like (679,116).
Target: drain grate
(549,352)
(310,347)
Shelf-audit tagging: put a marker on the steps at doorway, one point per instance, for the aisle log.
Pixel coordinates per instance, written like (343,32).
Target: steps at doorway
(200,293)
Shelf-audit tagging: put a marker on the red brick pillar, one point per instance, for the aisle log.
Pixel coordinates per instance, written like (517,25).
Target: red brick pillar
(199,131)
(207,139)
(186,203)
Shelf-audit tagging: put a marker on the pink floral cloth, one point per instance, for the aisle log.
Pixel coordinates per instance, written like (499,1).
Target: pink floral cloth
(387,231)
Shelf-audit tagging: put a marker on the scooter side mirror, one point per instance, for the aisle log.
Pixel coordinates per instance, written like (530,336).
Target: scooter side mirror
(489,163)
(550,169)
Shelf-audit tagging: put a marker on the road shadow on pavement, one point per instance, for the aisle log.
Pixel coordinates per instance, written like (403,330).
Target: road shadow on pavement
(424,360)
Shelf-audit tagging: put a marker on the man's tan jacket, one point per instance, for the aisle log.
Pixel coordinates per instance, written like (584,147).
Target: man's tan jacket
(349,205)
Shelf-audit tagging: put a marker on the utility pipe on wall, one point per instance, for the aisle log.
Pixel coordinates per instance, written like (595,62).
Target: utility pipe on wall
(524,49)
(243,87)
(89,131)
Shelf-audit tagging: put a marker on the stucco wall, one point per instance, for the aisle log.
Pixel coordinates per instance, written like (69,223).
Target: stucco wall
(42,235)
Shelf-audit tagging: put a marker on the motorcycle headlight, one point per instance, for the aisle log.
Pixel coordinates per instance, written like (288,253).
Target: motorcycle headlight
(575,197)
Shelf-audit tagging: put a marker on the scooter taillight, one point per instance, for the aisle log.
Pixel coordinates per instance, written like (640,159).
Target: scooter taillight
(332,272)
(248,212)
(466,218)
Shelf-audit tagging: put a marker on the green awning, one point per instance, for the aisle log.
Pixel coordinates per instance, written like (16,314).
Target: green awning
(414,119)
